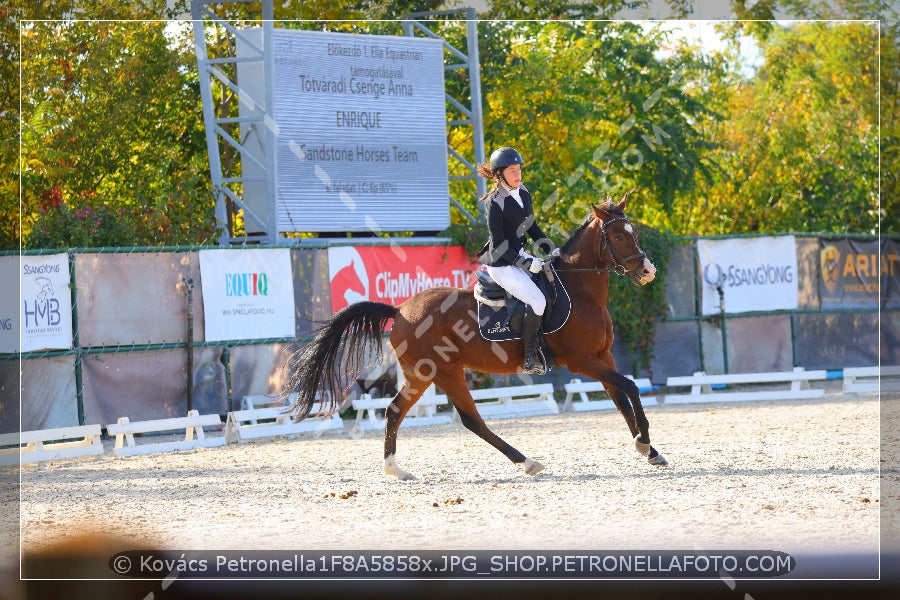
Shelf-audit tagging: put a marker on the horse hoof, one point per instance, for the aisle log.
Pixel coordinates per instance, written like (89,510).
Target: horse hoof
(532,467)
(391,468)
(643,448)
(400,475)
(659,460)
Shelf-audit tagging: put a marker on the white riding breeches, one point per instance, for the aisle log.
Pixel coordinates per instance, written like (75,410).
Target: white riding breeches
(517,282)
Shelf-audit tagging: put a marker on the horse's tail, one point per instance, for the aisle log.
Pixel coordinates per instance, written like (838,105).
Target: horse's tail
(336,353)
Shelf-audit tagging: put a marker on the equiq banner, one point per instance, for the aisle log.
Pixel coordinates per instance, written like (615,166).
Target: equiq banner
(46,309)
(395,273)
(756,274)
(247,294)
(361,130)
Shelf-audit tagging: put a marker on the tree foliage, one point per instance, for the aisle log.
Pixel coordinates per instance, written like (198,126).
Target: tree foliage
(799,151)
(112,138)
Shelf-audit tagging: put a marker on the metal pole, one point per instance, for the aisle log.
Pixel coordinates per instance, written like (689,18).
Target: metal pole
(698,303)
(226,362)
(76,342)
(209,120)
(477,115)
(273,236)
(189,291)
(720,287)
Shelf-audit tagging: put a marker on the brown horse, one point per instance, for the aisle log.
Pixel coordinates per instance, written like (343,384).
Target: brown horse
(435,338)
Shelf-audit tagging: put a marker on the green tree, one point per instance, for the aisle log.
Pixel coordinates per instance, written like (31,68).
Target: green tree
(596,112)
(115,142)
(885,16)
(800,150)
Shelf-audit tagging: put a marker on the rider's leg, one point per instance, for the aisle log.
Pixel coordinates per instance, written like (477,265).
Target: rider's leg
(518,283)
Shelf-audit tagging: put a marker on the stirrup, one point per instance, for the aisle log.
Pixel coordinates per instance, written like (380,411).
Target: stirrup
(535,369)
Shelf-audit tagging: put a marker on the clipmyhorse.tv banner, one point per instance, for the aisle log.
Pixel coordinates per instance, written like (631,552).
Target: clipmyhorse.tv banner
(756,274)
(247,294)
(392,274)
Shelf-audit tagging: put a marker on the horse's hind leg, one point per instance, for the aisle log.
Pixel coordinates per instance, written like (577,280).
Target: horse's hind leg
(409,394)
(453,383)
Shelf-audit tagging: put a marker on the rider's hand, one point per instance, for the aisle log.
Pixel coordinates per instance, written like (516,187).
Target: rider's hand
(555,252)
(536,265)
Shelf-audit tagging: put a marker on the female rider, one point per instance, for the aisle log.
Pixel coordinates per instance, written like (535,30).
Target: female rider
(510,216)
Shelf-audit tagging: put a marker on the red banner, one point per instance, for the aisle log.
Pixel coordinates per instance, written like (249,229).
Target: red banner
(392,274)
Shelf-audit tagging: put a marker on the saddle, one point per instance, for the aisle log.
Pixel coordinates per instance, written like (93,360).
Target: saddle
(500,314)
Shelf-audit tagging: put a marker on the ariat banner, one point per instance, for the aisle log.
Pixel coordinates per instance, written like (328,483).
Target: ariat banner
(754,274)
(858,274)
(45,310)
(247,294)
(392,274)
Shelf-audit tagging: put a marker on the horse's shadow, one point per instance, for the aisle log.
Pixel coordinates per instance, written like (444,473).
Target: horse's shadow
(729,473)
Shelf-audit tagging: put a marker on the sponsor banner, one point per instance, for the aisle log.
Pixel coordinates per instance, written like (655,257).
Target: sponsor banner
(392,274)
(247,294)
(10,302)
(45,316)
(857,274)
(756,274)
(890,253)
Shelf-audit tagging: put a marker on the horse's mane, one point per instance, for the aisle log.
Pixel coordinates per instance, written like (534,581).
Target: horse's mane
(609,206)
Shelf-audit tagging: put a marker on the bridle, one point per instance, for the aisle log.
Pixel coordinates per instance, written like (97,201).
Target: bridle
(618,267)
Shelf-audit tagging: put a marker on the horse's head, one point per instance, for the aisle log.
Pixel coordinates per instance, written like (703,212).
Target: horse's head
(616,243)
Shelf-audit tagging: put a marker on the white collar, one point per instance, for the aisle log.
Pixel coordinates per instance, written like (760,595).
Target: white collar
(511,192)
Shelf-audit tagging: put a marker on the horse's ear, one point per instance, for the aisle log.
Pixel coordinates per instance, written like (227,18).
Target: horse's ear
(599,212)
(625,199)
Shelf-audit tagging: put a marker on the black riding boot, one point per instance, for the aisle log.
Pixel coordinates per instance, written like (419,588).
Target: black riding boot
(531,339)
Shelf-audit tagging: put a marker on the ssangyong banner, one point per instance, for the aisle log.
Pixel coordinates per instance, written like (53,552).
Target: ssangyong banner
(247,294)
(392,274)
(45,317)
(361,132)
(756,274)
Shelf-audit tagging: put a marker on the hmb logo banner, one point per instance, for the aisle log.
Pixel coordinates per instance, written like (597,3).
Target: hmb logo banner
(247,294)
(45,317)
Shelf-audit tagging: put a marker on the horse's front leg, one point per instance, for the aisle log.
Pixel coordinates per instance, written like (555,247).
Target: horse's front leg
(627,398)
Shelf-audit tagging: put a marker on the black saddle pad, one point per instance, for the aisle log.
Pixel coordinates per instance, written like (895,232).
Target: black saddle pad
(503,323)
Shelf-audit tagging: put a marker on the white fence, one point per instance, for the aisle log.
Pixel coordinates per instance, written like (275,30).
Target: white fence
(255,422)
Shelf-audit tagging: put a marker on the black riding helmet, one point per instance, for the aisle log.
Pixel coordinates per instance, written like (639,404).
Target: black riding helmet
(504,157)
